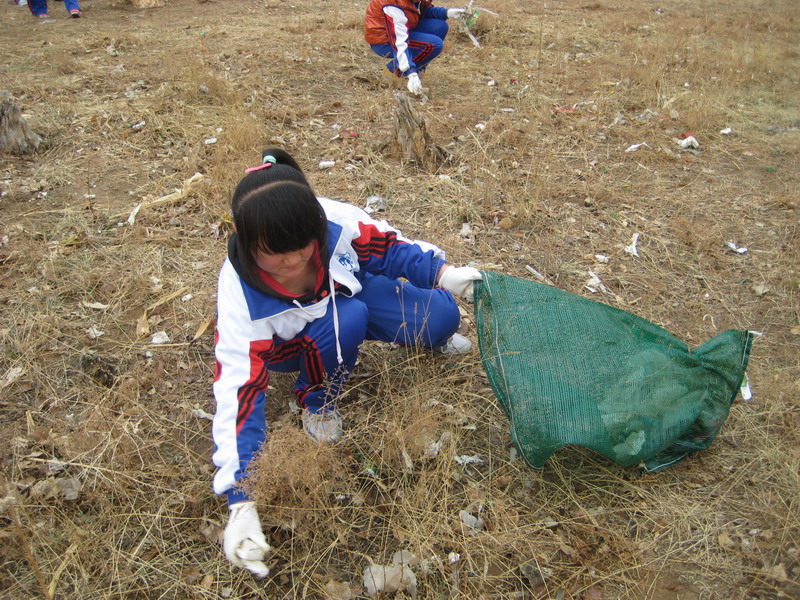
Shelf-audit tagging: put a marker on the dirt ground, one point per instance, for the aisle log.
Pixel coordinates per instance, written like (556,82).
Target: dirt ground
(563,134)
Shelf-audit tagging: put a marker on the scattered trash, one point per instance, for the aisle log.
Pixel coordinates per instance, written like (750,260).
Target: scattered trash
(374,203)
(726,131)
(480,126)
(390,579)
(567,110)
(534,272)
(469,460)
(472,525)
(735,248)
(593,284)
(601,258)
(139,125)
(199,412)
(635,147)
(160,337)
(209,141)
(94,333)
(747,395)
(95,305)
(466,230)
(491,83)
(453,558)
(631,248)
(432,450)
(689,143)
(326,164)
(11,376)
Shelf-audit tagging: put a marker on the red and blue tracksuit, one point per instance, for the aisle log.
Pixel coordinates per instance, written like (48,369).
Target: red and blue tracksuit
(39,7)
(410,33)
(364,298)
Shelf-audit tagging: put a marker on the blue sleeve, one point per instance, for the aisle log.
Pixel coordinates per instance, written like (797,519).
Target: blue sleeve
(383,253)
(435,12)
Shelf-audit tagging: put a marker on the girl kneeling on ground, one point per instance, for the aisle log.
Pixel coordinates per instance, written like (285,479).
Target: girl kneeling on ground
(306,281)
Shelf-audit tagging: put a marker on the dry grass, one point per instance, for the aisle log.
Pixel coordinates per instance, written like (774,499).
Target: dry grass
(105,471)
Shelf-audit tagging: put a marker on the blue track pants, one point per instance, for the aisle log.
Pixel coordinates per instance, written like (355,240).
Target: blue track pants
(39,7)
(425,42)
(386,310)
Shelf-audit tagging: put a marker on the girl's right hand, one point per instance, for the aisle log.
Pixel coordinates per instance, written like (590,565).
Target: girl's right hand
(459,280)
(243,541)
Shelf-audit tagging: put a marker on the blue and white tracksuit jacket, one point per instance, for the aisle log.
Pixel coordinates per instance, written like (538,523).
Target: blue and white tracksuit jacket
(257,332)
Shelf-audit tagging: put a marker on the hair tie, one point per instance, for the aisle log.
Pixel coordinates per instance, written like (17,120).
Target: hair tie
(269,160)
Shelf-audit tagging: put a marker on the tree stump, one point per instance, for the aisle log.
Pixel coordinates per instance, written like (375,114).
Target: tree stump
(16,136)
(411,141)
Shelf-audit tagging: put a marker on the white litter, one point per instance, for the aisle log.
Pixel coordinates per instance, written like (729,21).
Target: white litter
(472,525)
(735,248)
(383,579)
(199,412)
(160,337)
(469,460)
(466,230)
(209,141)
(726,131)
(326,164)
(631,248)
(94,333)
(374,203)
(689,143)
(635,147)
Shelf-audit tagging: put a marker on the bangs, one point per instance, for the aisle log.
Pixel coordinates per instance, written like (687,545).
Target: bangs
(283,218)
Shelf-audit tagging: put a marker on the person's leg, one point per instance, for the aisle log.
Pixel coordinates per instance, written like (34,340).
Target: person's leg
(386,51)
(72,5)
(403,313)
(38,7)
(426,41)
(314,354)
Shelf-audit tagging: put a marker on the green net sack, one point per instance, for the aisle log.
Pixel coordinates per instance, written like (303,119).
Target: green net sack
(569,370)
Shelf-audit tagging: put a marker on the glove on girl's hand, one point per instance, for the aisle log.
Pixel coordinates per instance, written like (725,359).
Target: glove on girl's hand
(455,13)
(459,280)
(244,542)
(414,84)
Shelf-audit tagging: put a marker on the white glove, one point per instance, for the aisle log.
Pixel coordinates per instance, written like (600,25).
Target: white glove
(455,13)
(244,542)
(414,84)
(458,280)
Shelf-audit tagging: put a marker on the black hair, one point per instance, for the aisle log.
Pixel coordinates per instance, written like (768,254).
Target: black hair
(275,210)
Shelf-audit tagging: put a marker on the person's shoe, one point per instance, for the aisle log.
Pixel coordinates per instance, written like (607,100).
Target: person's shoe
(457,344)
(76,14)
(324,426)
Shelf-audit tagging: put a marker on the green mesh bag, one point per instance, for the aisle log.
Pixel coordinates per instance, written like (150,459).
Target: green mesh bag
(569,370)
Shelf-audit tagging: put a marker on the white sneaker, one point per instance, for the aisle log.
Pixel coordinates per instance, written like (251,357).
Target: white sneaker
(324,426)
(457,344)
